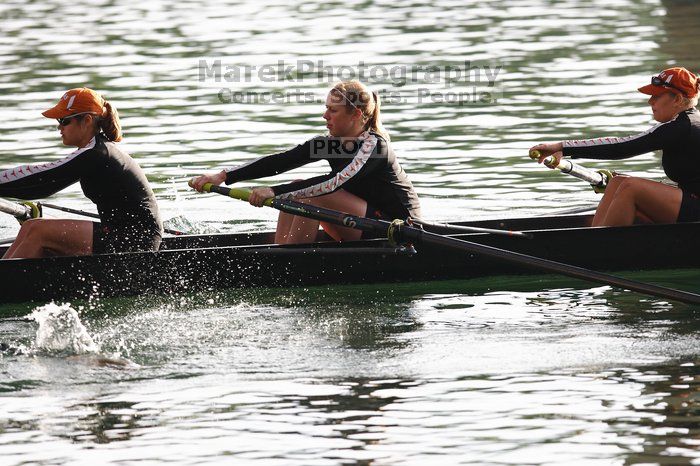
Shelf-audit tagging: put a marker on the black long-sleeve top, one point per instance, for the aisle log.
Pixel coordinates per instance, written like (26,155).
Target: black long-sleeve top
(679,139)
(368,169)
(108,177)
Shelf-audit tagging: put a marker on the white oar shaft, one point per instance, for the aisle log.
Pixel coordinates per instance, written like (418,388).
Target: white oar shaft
(597,178)
(20,211)
(586,174)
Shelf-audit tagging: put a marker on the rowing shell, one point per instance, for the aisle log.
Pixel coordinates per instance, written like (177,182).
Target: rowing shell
(208,262)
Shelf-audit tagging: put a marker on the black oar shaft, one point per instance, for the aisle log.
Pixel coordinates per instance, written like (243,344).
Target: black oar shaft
(470,229)
(415,235)
(69,210)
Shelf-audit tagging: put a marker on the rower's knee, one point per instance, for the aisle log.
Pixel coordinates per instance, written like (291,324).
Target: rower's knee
(31,227)
(615,182)
(629,185)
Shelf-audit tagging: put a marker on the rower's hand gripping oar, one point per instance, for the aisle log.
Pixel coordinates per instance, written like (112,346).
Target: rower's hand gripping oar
(398,231)
(598,179)
(21,211)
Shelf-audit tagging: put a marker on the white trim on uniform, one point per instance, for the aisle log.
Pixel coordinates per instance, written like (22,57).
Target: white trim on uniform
(369,142)
(613,140)
(17,173)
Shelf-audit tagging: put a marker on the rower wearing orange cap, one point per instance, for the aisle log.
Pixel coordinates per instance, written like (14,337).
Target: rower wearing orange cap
(109,177)
(674,96)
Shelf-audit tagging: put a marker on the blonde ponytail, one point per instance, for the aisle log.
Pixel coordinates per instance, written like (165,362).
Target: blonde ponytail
(109,123)
(374,123)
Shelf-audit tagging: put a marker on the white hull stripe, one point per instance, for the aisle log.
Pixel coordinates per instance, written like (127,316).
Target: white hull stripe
(613,140)
(17,173)
(369,142)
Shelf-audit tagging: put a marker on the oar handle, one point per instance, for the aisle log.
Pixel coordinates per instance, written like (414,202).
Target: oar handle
(21,211)
(236,193)
(548,162)
(598,179)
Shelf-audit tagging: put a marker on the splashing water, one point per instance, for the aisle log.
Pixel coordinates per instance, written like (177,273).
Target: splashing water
(60,330)
(184,224)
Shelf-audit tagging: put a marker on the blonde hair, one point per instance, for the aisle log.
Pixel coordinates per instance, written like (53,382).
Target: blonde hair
(690,102)
(109,123)
(356,96)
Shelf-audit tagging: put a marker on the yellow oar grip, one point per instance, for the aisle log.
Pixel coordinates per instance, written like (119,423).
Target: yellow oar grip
(35,208)
(244,195)
(548,162)
(236,193)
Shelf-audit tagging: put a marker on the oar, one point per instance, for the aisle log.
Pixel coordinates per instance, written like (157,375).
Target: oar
(598,179)
(397,231)
(91,215)
(21,212)
(467,229)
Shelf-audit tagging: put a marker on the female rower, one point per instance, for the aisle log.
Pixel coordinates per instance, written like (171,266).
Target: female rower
(674,96)
(365,178)
(108,176)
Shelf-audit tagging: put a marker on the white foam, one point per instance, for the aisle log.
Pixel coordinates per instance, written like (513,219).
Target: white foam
(60,330)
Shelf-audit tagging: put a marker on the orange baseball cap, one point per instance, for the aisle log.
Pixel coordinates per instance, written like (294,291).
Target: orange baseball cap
(677,80)
(79,100)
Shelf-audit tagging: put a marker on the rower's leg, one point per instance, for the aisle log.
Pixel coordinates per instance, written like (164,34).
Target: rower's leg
(295,229)
(302,230)
(658,202)
(284,224)
(608,197)
(21,236)
(42,237)
(345,202)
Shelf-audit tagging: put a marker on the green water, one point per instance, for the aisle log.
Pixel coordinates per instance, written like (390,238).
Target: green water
(515,370)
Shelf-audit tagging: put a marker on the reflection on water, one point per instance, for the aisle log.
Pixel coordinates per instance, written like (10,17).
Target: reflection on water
(681,17)
(555,376)
(511,371)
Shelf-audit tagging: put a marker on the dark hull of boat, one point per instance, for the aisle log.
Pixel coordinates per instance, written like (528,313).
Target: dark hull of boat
(209,262)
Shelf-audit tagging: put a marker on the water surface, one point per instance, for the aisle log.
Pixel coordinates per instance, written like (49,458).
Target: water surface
(529,370)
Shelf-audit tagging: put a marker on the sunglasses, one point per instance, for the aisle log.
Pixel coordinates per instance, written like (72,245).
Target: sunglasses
(65,121)
(656,81)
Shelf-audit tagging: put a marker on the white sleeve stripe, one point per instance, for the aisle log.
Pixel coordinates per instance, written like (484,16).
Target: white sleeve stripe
(368,144)
(613,140)
(17,173)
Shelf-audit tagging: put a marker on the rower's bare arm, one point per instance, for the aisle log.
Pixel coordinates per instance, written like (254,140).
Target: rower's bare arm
(553,149)
(198,182)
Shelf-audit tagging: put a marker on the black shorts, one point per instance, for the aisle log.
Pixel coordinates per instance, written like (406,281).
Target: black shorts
(690,208)
(373,212)
(106,240)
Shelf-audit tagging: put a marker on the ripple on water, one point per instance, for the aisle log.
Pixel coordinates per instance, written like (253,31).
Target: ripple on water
(481,372)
